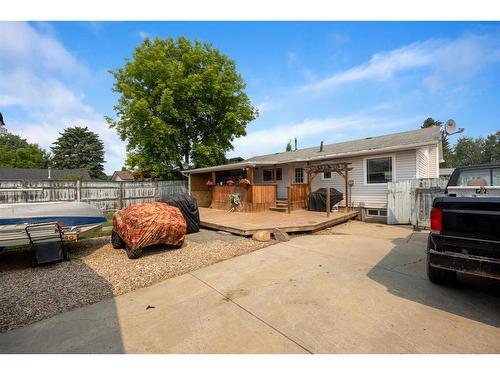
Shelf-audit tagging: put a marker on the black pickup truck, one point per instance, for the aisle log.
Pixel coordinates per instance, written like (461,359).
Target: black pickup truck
(465,226)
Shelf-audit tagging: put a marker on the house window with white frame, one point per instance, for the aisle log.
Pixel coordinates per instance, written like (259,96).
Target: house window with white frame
(379,170)
(299,175)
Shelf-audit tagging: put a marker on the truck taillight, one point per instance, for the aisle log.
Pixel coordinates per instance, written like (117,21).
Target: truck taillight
(436,220)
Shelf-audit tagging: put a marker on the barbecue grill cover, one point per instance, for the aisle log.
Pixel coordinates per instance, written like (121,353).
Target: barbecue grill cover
(189,208)
(317,199)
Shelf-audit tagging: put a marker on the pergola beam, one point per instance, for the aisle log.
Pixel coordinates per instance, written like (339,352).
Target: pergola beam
(340,168)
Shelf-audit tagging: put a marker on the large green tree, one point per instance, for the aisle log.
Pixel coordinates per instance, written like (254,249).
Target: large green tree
(16,152)
(470,151)
(181,104)
(78,147)
(447,151)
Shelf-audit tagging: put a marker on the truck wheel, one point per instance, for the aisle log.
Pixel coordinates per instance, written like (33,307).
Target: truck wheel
(133,254)
(439,275)
(116,241)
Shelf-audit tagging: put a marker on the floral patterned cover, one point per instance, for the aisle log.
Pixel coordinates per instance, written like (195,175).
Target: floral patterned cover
(146,224)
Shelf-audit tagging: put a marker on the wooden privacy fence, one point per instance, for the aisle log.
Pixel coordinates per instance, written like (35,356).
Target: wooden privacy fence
(105,195)
(410,201)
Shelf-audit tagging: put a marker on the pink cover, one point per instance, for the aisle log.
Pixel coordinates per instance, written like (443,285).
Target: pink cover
(146,224)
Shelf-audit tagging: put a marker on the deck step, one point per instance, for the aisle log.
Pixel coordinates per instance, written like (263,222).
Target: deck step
(279,209)
(281,204)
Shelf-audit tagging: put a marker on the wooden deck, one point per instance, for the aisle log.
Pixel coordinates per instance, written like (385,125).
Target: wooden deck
(246,224)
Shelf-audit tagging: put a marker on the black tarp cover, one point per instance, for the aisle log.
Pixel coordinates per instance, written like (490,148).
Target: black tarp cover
(189,208)
(317,199)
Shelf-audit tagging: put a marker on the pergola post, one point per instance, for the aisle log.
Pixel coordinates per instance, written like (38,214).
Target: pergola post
(342,169)
(250,174)
(346,178)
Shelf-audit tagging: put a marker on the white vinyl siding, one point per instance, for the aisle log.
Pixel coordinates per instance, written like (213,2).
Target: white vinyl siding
(370,195)
(433,161)
(422,160)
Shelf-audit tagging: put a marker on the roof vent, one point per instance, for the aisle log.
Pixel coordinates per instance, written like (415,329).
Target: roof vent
(295,144)
(368,137)
(321,147)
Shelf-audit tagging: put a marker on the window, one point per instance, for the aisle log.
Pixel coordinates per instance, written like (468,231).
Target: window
(279,174)
(375,212)
(477,177)
(299,175)
(496,177)
(268,175)
(327,175)
(379,170)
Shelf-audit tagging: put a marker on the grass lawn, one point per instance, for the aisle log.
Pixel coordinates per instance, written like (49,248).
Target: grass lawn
(106,228)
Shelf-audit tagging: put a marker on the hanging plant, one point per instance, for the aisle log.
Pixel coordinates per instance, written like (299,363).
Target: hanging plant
(230,182)
(244,181)
(210,182)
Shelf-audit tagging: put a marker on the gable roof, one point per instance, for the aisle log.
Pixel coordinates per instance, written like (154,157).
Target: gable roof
(124,175)
(42,174)
(383,143)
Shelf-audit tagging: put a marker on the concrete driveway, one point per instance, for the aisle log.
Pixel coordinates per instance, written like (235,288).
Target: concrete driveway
(361,289)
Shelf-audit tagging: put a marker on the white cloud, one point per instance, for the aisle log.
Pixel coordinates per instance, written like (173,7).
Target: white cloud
(331,129)
(447,61)
(37,75)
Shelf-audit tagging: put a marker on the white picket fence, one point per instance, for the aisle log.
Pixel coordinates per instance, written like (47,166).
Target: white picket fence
(410,201)
(107,196)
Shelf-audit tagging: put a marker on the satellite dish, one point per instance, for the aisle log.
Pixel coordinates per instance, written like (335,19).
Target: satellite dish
(450,127)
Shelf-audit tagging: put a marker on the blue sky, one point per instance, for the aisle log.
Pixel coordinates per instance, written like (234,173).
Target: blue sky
(330,81)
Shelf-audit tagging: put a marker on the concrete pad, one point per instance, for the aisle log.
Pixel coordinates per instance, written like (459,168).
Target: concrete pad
(326,295)
(185,316)
(362,290)
(206,235)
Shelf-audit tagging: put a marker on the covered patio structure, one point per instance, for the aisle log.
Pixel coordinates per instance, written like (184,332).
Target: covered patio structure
(278,186)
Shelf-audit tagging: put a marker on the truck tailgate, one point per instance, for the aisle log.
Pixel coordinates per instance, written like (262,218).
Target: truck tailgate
(470,217)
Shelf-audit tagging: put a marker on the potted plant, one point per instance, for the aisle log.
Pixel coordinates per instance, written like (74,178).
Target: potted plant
(229,182)
(244,181)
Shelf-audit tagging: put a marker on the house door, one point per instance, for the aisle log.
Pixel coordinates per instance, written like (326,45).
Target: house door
(280,182)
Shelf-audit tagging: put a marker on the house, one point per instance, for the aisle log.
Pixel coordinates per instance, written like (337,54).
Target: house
(122,176)
(446,172)
(235,160)
(44,174)
(360,168)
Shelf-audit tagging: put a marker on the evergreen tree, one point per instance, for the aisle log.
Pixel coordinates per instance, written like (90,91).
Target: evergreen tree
(78,147)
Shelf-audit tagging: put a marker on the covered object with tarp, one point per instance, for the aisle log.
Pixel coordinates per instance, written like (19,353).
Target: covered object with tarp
(189,208)
(317,199)
(145,224)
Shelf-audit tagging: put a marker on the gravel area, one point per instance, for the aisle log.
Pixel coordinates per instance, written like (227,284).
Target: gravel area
(97,271)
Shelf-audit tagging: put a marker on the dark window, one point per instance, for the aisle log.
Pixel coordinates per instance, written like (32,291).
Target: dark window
(268,175)
(279,174)
(495,174)
(379,170)
(299,175)
(327,175)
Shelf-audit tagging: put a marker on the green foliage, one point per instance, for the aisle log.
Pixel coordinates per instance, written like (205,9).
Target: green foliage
(180,104)
(16,152)
(470,151)
(289,146)
(78,147)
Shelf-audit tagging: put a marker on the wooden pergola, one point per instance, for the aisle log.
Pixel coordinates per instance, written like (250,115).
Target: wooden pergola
(330,167)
